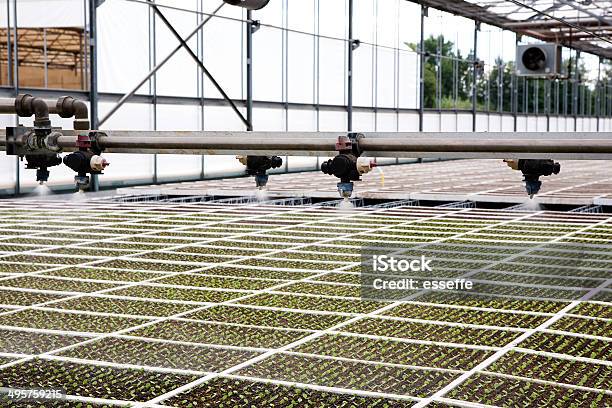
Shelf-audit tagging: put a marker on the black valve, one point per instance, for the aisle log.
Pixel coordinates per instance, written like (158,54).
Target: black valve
(258,166)
(42,162)
(79,161)
(84,162)
(343,166)
(533,169)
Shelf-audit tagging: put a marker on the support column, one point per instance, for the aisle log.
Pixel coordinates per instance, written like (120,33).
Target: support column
(422,69)
(500,87)
(525,96)
(557,91)
(349,72)
(515,90)
(475,75)
(575,91)
(249,70)
(565,98)
(439,76)
(153,81)
(16,90)
(200,46)
(598,94)
(547,88)
(93,76)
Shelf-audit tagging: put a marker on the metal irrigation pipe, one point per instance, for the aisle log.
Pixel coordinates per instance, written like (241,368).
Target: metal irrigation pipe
(475,145)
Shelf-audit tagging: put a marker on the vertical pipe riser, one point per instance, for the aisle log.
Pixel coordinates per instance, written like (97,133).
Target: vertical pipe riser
(349,73)
(93,75)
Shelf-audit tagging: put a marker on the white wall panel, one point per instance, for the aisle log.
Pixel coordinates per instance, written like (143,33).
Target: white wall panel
(521,123)
(364,20)
(363,79)
(386,122)
(448,122)
(568,124)
(301,68)
(464,122)
(331,121)
(332,54)
(387,24)
(175,117)
(431,122)
(364,122)
(408,80)
(409,33)
(494,122)
(408,122)
(482,122)
(63,13)
(532,123)
(385,78)
(540,124)
(507,124)
(123,46)
(302,120)
(268,65)
(269,119)
(224,54)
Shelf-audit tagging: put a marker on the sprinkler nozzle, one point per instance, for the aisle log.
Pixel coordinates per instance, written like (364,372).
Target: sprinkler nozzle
(261,180)
(532,170)
(345,190)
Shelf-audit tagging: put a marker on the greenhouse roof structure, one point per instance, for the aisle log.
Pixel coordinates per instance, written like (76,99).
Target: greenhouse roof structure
(581,25)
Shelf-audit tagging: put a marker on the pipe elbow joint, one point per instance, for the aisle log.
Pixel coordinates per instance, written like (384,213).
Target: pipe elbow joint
(27,105)
(67,107)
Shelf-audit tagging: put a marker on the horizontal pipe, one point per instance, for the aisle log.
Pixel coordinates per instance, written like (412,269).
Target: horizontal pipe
(7,106)
(299,137)
(534,146)
(213,144)
(446,145)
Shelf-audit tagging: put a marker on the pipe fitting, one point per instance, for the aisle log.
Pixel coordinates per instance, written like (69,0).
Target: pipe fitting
(83,162)
(365,165)
(98,163)
(51,141)
(67,107)
(27,105)
(33,142)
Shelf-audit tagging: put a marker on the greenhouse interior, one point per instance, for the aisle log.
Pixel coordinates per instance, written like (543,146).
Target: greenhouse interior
(305,203)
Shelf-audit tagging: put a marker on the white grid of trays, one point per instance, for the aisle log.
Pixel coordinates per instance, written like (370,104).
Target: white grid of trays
(201,299)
